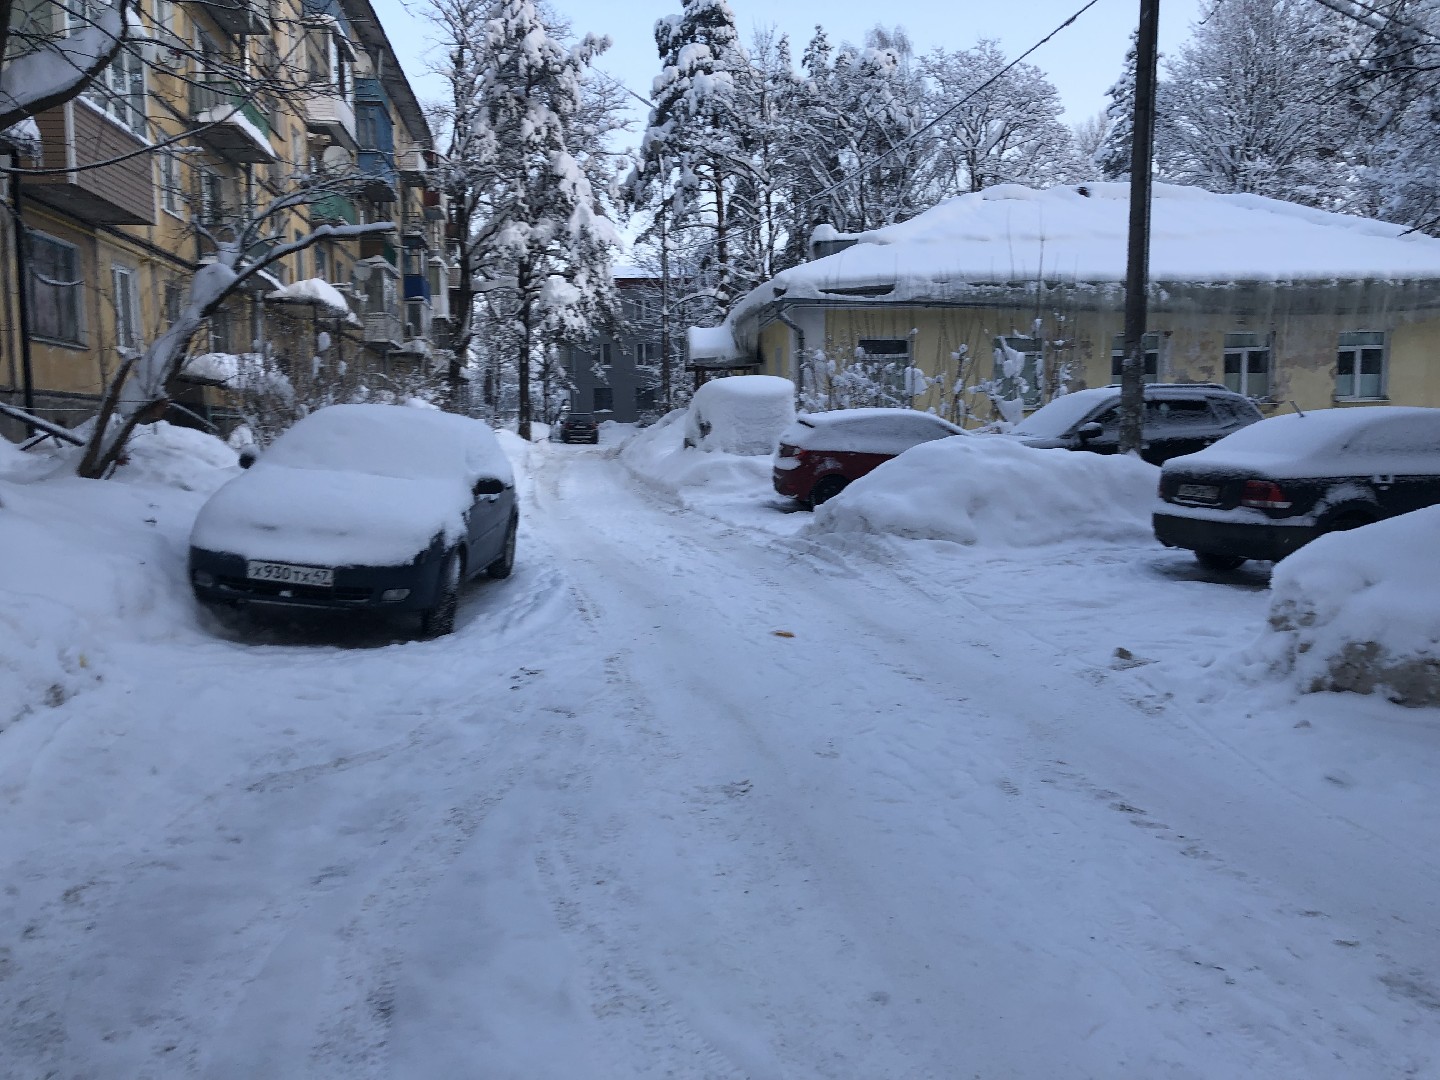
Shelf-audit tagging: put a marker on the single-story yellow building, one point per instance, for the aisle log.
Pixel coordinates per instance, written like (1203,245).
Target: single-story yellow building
(1008,296)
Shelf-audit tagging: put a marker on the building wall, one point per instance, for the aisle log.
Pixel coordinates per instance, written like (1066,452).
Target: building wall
(1301,326)
(630,380)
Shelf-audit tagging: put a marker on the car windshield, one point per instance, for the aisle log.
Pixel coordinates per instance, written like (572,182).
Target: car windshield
(381,440)
(1057,418)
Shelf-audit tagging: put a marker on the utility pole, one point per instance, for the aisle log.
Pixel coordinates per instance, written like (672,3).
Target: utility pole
(1137,268)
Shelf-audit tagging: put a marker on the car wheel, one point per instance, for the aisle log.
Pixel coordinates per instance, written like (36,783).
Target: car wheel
(827,489)
(502,566)
(1347,520)
(440,619)
(1212,560)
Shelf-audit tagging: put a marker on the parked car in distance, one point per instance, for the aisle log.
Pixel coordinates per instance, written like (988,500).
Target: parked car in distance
(1179,418)
(381,508)
(1271,488)
(821,453)
(579,427)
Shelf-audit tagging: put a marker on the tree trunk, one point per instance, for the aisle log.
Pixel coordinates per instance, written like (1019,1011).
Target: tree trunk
(527,314)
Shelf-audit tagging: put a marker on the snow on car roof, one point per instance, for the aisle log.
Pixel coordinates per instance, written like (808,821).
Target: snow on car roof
(1328,440)
(391,440)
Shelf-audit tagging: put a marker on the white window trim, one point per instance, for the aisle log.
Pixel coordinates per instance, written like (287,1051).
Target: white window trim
(1266,345)
(136,337)
(1356,350)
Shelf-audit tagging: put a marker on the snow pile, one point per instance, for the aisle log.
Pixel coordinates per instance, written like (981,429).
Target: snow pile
(866,431)
(744,414)
(315,291)
(93,561)
(1360,611)
(168,455)
(996,493)
(656,455)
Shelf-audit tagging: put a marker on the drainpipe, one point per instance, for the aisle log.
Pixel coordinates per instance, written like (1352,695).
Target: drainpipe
(22,294)
(799,352)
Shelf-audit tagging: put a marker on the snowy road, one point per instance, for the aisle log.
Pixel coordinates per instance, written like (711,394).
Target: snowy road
(687,799)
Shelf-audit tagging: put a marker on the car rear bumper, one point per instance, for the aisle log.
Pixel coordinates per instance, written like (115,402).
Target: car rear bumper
(219,577)
(793,483)
(1244,540)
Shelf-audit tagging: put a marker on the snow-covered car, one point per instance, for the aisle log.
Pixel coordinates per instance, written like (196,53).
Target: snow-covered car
(1269,489)
(742,414)
(383,508)
(821,453)
(1179,418)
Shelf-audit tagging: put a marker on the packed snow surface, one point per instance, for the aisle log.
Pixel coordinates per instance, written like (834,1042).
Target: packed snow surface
(354,485)
(743,414)
(699,792)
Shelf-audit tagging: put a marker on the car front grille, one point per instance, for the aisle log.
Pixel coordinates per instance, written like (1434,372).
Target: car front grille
(280,590)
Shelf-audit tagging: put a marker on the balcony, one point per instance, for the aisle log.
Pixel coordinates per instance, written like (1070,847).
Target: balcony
(417,287)
(228,123)
(434,203)
(414,235)
(329,114)
(378,246)
(118,194)
(333,210)
(239,17)
(378,168)
(413,165)
(417,320)
(384,328)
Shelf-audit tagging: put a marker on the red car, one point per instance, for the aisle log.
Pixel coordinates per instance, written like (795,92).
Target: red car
(823,452)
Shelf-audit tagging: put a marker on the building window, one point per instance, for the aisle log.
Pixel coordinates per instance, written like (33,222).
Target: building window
(605,356)
(174,298)
(171,193)
(886,360)
(1247,365)
(647,352)
(55,290)
(1360,366)
(220,331)
(1151,343)
(126,298)
(645,398)
(119,90)
(604,399)
(1017,369)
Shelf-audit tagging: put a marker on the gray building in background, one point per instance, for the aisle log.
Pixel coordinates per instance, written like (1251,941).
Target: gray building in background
(616,376)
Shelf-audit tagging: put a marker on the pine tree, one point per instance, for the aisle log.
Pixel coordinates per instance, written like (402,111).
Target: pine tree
(1113,156)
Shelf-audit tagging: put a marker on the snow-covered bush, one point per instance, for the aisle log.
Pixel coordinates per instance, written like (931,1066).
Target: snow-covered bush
(1360,611)
(992,493)
(741,415)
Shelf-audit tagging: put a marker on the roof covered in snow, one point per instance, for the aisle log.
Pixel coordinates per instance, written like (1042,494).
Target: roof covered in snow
(1016,235)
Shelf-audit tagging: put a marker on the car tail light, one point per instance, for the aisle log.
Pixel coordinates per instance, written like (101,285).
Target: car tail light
(1264,495)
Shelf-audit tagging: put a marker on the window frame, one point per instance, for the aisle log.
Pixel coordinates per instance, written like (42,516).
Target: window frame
(1151,344)
(1357,350)
(73,293)
(1029,370)
(1244,351)
(125,300)
(608,397)
(119,91)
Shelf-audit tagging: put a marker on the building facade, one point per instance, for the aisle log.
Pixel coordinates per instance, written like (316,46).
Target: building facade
(219,124)
(617,375)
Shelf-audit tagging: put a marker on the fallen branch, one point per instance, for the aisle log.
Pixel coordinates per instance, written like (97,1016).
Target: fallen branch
(50,429)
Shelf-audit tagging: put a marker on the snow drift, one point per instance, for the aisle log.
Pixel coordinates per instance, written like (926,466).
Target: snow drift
(1360,611)
(991,492)
(742,415)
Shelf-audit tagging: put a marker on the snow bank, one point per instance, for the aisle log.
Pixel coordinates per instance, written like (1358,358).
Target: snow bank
(996,493)
(1360,611)
(657,455)
(743,414)
(94,561)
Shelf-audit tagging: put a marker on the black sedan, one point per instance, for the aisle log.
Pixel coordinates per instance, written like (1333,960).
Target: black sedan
(579,427)
(383,508)
(1271,488)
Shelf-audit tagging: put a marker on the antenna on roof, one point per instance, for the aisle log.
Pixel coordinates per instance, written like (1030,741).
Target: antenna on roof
(1299,411)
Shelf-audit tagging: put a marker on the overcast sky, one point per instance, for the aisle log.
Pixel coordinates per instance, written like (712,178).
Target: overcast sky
(1082,60)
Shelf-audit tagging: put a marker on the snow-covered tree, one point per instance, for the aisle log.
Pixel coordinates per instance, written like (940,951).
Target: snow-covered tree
(1250,104)
(995,128)
(1112,156)
(540,242)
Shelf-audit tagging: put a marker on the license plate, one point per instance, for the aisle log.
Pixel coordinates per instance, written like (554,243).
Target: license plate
(289,574)
(1201,493)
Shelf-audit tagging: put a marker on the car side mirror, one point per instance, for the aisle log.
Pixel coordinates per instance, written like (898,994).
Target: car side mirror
(248,457)
(488,485)
(1094,429)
